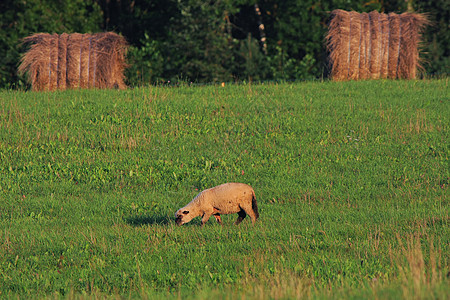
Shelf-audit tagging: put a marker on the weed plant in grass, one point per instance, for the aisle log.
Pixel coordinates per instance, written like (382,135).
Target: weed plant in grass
(351,180)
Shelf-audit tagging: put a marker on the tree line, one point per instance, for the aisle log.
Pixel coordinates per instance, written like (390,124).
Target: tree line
(209,41)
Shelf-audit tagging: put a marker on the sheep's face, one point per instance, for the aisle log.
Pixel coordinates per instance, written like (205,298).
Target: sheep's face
(183,216)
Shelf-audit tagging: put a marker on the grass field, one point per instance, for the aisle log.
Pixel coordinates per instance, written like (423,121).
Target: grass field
(351,180)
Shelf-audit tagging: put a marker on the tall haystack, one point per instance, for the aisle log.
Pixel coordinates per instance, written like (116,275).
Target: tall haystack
(374,45)
(68,61)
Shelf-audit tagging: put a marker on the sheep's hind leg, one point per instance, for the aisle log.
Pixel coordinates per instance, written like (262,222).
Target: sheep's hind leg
(248,209)
(252,216)
(242,214)
(218,219)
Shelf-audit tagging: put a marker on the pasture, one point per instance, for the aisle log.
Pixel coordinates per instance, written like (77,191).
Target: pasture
(351,180)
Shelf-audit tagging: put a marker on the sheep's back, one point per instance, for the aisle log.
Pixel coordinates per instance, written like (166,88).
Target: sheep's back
(228,197)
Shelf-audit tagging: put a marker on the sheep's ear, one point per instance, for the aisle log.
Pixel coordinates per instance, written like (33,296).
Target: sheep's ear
(185,212)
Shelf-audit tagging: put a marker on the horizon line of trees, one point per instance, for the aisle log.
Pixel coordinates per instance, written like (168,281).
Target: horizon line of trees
(210,41)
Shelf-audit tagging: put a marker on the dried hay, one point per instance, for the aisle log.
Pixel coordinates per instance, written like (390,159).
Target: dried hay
(374,45)
(69,61)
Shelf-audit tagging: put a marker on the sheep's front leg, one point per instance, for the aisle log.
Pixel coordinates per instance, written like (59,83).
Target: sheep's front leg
(205,218)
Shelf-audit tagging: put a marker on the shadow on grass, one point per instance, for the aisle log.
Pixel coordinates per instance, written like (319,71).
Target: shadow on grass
(148,220)
(142,220)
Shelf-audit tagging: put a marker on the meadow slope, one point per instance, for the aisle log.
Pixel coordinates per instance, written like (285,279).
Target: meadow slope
(351,180)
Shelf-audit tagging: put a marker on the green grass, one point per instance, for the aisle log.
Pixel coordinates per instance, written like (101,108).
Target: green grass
(351,180)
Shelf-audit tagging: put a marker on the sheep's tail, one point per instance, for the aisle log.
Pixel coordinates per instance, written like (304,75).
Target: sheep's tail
(254,205)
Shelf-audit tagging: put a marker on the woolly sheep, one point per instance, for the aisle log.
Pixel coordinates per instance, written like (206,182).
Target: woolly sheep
(228,198)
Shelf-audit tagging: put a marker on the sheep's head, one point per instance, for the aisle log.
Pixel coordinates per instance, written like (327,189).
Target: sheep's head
(183,216)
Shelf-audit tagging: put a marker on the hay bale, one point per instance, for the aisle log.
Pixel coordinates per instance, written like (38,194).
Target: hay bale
(62,61)
(104,43)
(374,45)
(340,43)
(365,47)
(35,64)
(85,59)
(75,61)
(354,46)
(394,44)
(74,57)
(384,53)
(374,61)
(411,26)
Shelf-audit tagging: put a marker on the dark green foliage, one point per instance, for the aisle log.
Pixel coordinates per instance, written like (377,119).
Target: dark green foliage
(137,18)
(199,46)
(210,41)
(146,62)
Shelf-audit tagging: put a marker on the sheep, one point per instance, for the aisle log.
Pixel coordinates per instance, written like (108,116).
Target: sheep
(227,198)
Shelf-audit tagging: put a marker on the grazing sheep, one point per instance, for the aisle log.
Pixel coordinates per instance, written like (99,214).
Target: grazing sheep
(228,198)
